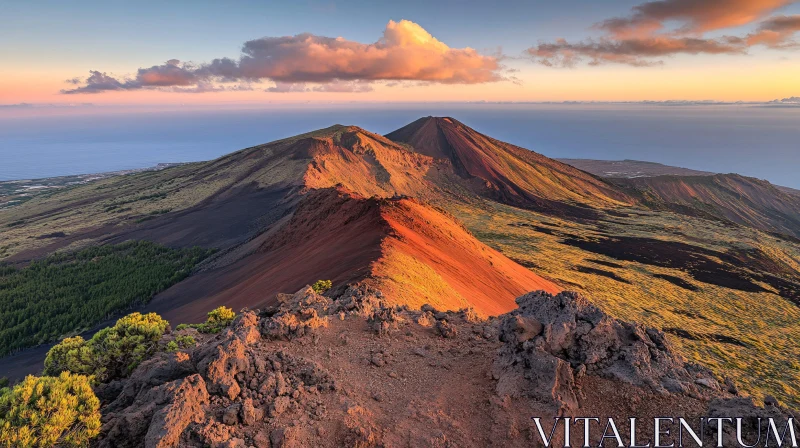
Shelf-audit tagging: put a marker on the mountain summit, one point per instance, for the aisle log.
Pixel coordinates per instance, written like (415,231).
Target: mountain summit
(506,172)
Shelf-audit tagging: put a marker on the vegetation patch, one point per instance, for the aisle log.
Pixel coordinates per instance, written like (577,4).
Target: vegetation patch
(218,319)
(112,352)
(49,411)
(70,292)
(320,286)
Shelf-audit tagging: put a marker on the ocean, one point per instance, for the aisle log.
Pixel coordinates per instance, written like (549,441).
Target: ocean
(757,141)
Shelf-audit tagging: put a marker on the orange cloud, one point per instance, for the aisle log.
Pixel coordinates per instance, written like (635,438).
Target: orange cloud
(405,52)
(636,52)
(777,32)
(641,38)
(697,16)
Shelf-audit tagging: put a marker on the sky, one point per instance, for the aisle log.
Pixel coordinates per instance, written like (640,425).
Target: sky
(239,52)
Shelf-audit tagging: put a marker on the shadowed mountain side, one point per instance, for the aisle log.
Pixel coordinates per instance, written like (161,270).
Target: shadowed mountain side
(743,200)
(224,202)
(637,168)
(509,173)
(401,245)
(631,168)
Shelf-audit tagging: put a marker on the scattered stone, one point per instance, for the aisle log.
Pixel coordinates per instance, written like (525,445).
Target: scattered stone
(377,359)
(708,382)
(446,329)
(231,415)
(279,406)
(297,315)
(250,414)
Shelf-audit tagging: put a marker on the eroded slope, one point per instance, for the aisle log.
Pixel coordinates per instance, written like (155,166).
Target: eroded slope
(418,253)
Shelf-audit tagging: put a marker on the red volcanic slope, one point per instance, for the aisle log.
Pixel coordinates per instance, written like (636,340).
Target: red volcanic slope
(414,253)
(512,174)
(430,258)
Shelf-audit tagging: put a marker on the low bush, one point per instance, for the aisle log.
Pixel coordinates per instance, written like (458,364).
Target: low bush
(181,342)
(320,286)
(43,412)
(112,352)
(218,319)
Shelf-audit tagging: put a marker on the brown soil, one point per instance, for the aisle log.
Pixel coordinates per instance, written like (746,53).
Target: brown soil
(354,372)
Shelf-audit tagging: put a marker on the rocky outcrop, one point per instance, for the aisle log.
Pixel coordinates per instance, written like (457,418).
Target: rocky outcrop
(226,357)
(296,315)
(550,340)
(354,371)
(157,416)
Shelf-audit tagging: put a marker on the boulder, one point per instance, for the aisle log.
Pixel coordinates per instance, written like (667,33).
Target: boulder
(297,315)
(157,416)
(551,334)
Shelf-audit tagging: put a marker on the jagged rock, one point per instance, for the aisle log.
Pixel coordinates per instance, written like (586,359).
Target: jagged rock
(384,320)
(261,440)
(157,416)
(470,315)
(361,431)
(446,329)
(731,386)
(710,383)
(231,414)
(220,362)
(279,406)
(518,329)
(213,433)
(245,328)
(426,319)
(769,400)
(221,367)
(169,422)
(217,395)
(567,327)
(162,368)
(297,315)
(234,443)
(361,300)
(250,414)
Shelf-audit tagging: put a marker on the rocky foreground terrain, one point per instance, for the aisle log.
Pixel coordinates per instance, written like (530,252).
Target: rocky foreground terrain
(355,371)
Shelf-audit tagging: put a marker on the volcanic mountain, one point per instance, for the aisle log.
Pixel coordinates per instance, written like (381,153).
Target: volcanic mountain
(744,200)
(508,173)
(416,254)
(740,199)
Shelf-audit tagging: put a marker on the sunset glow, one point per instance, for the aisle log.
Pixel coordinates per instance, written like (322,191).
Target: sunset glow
(668,50)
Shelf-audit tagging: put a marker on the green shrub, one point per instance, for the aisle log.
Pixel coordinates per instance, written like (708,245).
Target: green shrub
(218,319)
(185,341)
(320,286)
(42,412)
(112,352)
(73,355)
(181,341)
